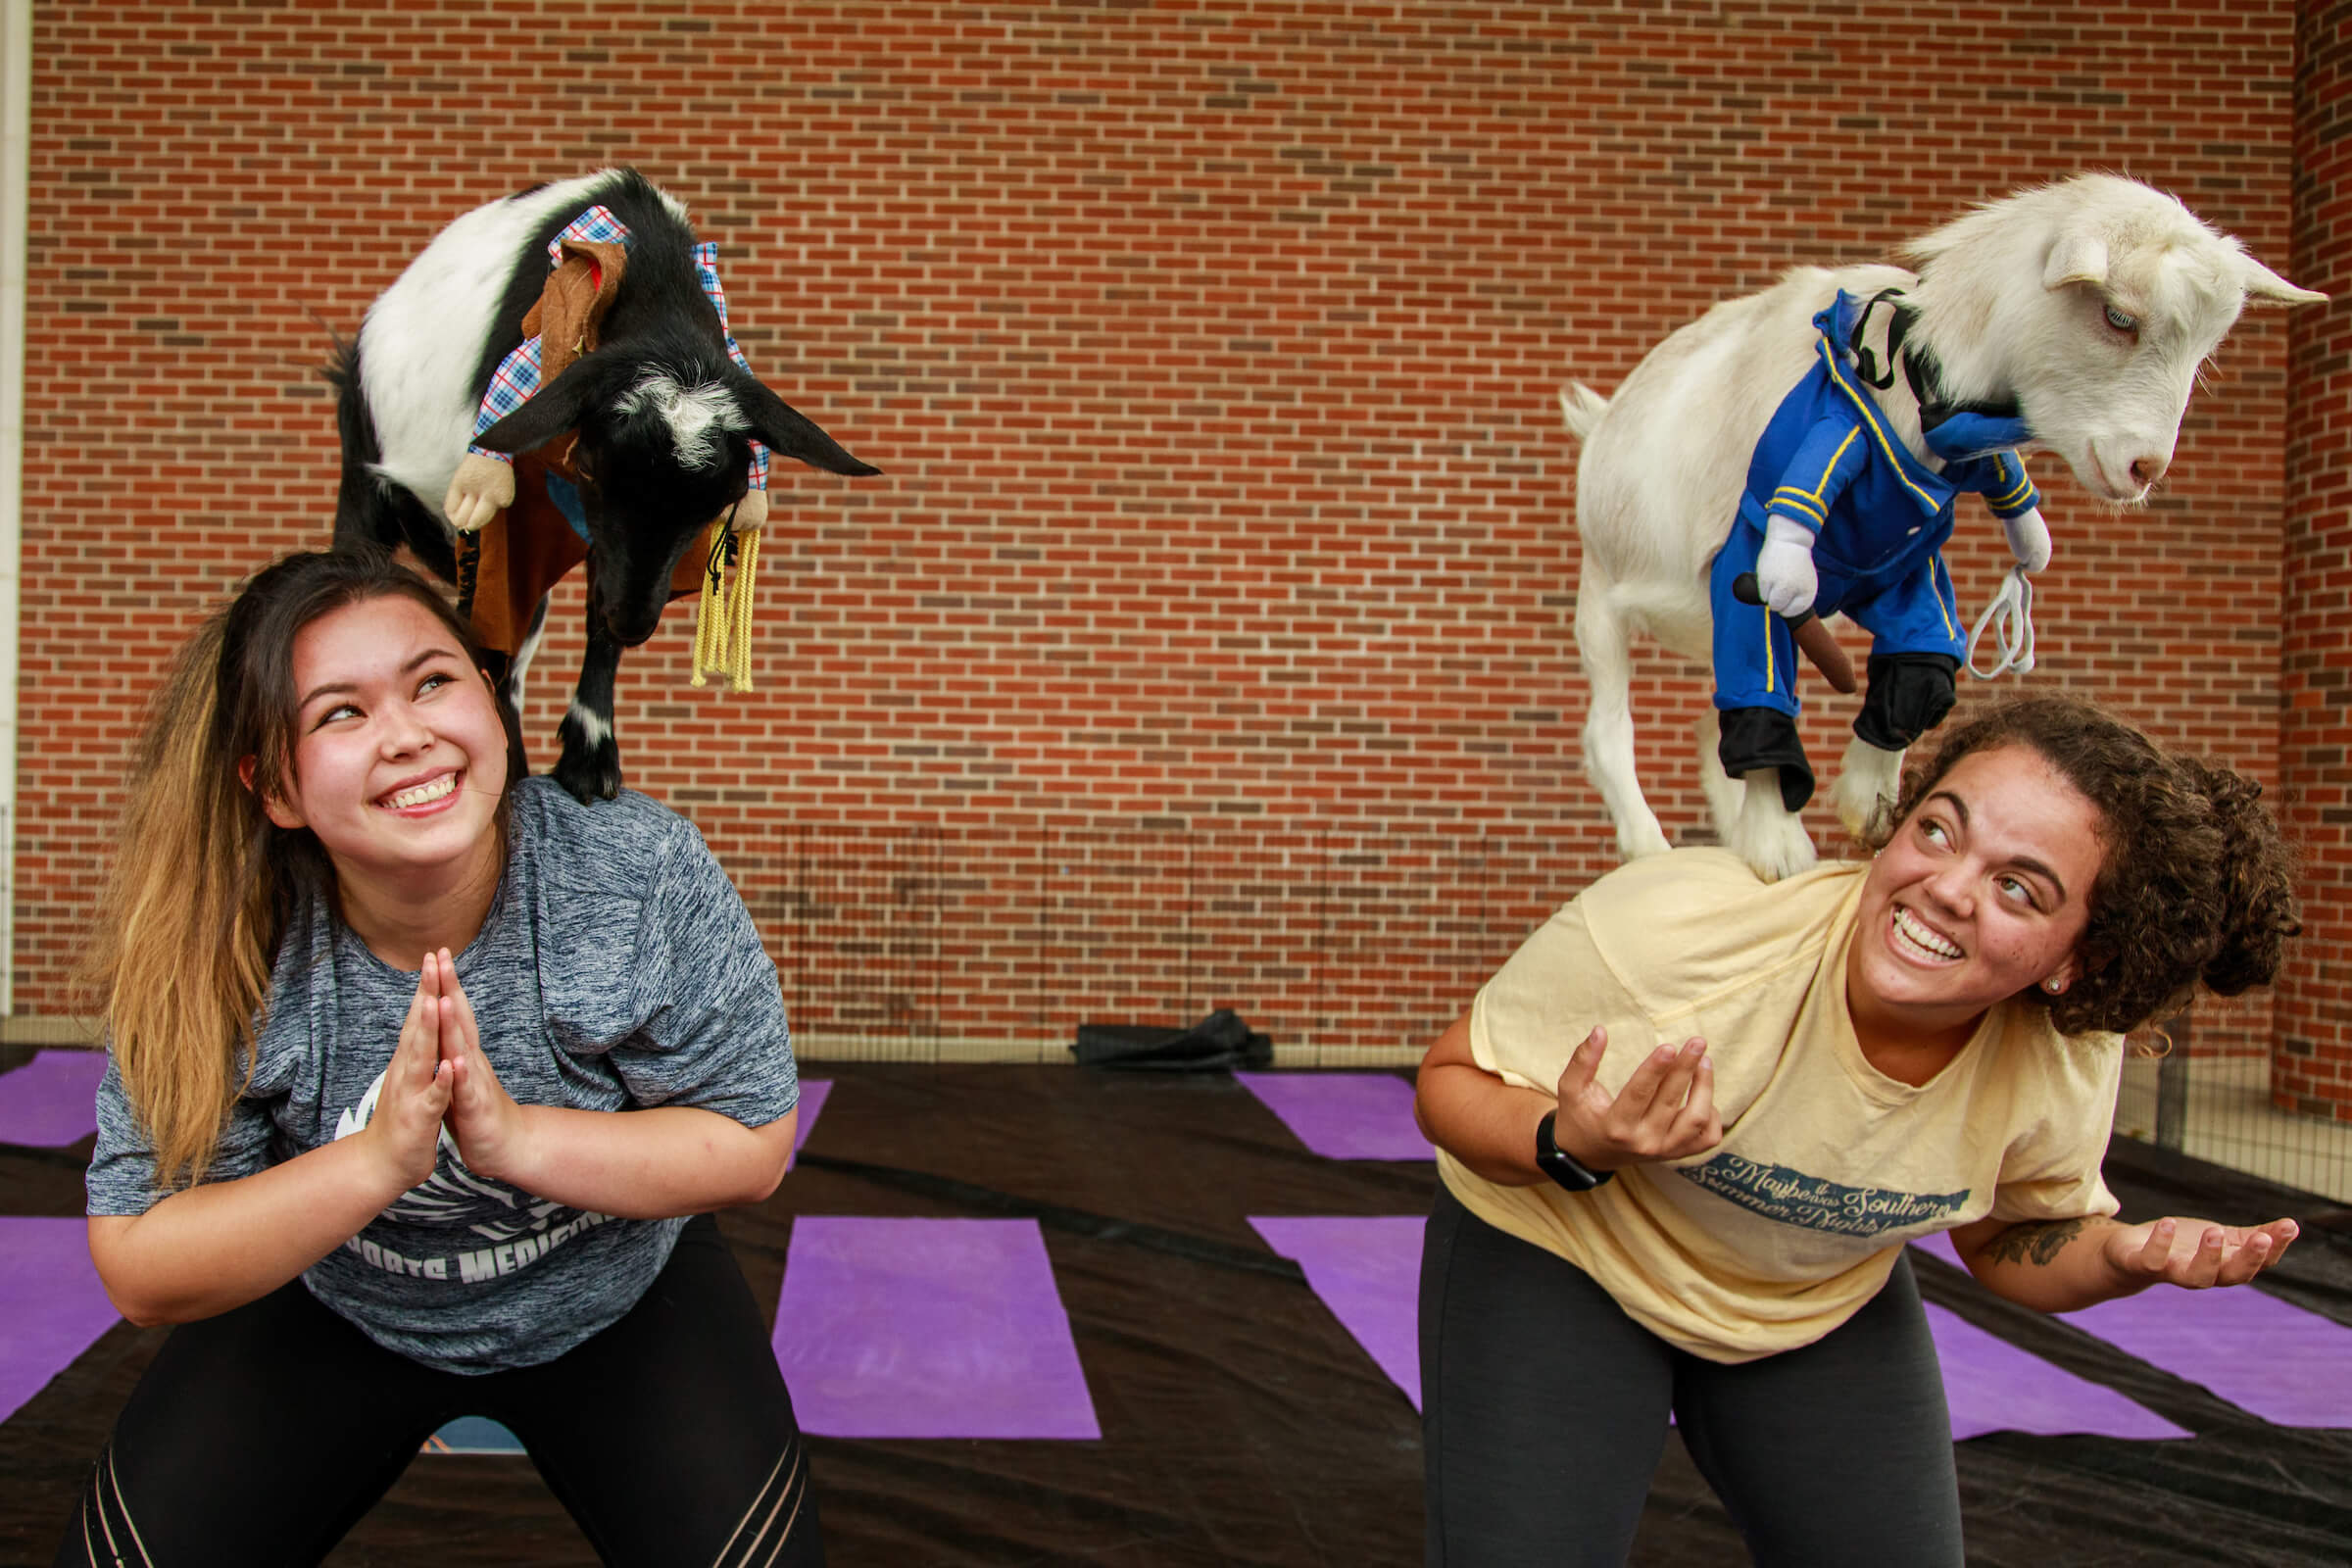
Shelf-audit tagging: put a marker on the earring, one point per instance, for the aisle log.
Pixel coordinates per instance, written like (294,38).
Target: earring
(2053,985)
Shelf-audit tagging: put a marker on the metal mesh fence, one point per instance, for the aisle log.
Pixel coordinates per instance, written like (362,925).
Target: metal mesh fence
(2222,1110)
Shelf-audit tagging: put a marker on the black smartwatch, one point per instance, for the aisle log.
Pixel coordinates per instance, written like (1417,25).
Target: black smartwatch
(1561,1165)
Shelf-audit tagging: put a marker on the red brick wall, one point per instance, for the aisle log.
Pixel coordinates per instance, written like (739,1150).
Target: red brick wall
(1208,637)
(2313,1069)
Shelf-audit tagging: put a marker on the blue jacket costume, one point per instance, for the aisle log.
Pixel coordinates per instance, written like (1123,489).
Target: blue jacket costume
(1879,518)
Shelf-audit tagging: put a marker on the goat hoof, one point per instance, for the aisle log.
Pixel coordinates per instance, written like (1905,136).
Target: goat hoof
(1869,779)
(1773,849)
(1641,838)
(589,780)
(591,772)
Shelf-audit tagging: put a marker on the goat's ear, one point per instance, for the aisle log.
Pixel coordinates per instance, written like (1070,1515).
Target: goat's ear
(2075,259)
(2261,283)
(550,411)
(789,433)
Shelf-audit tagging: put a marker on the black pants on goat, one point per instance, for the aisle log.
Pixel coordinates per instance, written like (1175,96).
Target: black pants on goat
(1543,1414)
(260,1436)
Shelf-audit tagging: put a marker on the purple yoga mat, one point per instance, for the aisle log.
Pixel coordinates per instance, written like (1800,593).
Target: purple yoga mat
(928,1328)
(1344,1115)
(1992,1386)
(52,1307)
(1368,1272)
(813,1106)
(52,1099)
(2288,1366)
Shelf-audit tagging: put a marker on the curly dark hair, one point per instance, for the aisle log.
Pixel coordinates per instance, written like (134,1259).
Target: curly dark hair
(2196,882)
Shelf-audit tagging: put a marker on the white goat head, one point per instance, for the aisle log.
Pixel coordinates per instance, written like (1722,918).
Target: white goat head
(2136,293)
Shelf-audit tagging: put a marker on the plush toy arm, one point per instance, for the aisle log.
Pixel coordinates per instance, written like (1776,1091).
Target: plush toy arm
(2029,538)
(1785,574)
(477,492)
(1832,455)
(2018,504)
(753,511)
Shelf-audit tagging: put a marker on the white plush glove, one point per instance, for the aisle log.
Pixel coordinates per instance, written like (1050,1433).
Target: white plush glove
(2029,538)
(1785,576)
(482,488)
(751,512)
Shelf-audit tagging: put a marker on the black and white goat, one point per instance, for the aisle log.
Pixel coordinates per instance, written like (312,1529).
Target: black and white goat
(2081,312)
(664,418)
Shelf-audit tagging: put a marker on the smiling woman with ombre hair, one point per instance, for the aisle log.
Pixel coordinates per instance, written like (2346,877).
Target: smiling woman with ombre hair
(422,1080)
(1685,1131)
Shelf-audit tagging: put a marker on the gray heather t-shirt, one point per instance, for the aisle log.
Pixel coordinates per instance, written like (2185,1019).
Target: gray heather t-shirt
(617,968)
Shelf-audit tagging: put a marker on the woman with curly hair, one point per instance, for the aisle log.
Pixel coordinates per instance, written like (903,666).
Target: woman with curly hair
(1713,1228)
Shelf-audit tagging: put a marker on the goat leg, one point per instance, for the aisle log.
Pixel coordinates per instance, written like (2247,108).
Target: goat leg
(590,766)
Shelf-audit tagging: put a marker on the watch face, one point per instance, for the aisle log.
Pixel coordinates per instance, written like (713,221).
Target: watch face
(1568,1173)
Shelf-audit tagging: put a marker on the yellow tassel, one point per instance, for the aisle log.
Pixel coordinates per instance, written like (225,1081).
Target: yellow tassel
(722,633)
(709,623)
(747,572)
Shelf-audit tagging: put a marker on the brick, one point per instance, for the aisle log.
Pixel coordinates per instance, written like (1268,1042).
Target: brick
(1209,353)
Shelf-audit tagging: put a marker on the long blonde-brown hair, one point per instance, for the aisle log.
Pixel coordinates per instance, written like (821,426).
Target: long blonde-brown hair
(204,886)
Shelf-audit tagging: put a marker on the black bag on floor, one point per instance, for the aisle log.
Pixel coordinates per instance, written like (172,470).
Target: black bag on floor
(1217,1042)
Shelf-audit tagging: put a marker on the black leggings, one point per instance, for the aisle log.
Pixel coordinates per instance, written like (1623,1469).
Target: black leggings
(261,1437)
(1545,1411)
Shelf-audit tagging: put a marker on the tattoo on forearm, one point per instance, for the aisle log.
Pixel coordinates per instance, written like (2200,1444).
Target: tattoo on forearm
(2036,1242)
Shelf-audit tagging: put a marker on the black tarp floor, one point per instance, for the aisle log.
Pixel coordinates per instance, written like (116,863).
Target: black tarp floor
(1240,1422)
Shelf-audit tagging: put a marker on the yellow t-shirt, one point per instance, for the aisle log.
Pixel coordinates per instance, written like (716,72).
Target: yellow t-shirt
(1781,1231)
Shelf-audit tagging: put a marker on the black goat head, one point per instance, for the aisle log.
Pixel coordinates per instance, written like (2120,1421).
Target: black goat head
(663,449)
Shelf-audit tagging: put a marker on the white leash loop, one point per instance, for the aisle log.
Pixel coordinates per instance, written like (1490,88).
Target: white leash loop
(2010,615)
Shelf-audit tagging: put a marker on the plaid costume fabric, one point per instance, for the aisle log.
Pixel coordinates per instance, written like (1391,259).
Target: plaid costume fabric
(517,375)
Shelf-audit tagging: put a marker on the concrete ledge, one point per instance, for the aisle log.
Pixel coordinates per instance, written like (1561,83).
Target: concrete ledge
(20,1029)
(818,1047)
(23,1029)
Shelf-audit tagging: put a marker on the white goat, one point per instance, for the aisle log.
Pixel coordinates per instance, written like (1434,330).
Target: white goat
(2072,318)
